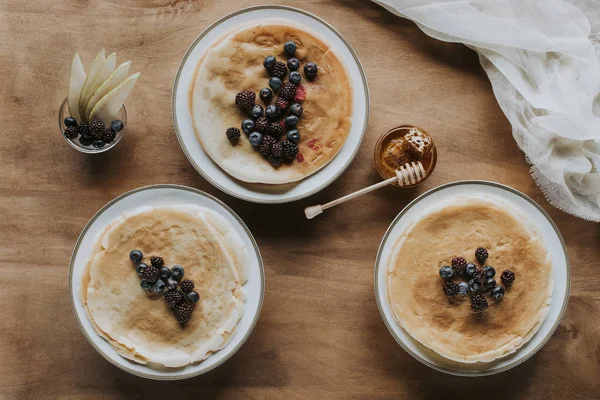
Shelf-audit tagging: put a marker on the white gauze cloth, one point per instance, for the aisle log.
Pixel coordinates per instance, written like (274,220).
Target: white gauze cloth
(542,58)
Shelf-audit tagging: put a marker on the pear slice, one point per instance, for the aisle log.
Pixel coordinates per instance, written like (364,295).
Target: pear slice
(109,105)
(109,84)
(76,82)
(103,73)
(96,65)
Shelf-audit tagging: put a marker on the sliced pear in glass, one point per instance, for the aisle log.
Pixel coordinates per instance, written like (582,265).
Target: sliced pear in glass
(76,82)
(96,65)
(109,84)
(108,106)
(103,73)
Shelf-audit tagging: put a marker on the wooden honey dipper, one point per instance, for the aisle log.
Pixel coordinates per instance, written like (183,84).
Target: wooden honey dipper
(408,174)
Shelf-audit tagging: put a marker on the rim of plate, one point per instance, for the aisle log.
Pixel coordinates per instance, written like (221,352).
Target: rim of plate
(543,341)
(174,105)
(156,376)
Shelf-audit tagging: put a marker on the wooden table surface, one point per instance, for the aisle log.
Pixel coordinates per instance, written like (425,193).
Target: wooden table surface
(320,334)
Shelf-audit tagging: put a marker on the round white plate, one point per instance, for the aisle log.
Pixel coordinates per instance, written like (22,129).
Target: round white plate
(156,196)
(260,193)
(554,244)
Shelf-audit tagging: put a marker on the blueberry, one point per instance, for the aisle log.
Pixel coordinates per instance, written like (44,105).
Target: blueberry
(310,69)
(291,120)
(474,285)
(136,256)
(164,273)
(255,139)
(446,272)
(293,64)
(489,283)
(269,63)
(489,271)
(293,136)
(248,126)
(470,270)
(256,111)
(295,77)
(272,112)
(98,144)
(158,287)
(192,297)
(275,83)
(498,292)
(463,288)
(289,48)
(116,125)
(296,109)
(145,284)
(265,94)
(70,121)
(171,283)
(177,272)
(141,268)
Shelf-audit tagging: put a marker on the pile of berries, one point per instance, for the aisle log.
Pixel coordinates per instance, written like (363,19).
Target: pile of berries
(95,134)
(479,280)
(272,129)
(159,279)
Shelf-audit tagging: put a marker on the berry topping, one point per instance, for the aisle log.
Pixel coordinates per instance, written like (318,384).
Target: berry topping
(109,136)
(98,144)
(177,272)
(261,125)
(233,134)
(470,270)
(71,132)
(446,272)
(481,254)
(173,298)
(279,70)
(310,70)
(498,292)
(86,140)
(164,273)
(183,313)
(450,288)
(293,136)
(508,277)
(145,285)
(266,145)
(158,287)
(187,285)
(296,109)
(151,274)
(489,271)
(281,104)
(277,150)
(274,161)
(293,64)
(248,126)
(289,48)
(295,77)
(245,99)
(171,284)
(192,297)
(255,139)
(269,63)
(275,129)
(459,264)
(70,121)
(300,95)
(287,91)
(156,261)
(463,288)
(256,111)
(478,303)
(271,112)
(265,94)
(275,83)
(116,125)
(85,130)
(290,150)
(141,268)
(97,127)
(136,256)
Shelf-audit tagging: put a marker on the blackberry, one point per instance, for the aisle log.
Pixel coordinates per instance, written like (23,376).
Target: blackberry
(281,104)
(97,128)
(290,150)
(274,161)
(109,136)
(288,90)
(277,150)
(85,130)
(151,274)
(261,125)
(275,129)
(183,313)
(245,99)
(233,134)
(187,285)
(459,264)
(173,298)
(86,140)
(507,277)
(156,261)
(279,70)
(71,132)
(478,303)
(480,276)
(481,254)
(266,145)
(450,289)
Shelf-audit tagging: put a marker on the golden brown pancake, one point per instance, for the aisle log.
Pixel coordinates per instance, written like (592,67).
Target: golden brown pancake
(450,327)
(235,63)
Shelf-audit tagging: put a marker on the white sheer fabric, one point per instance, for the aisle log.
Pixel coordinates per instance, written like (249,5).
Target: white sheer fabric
(542,58)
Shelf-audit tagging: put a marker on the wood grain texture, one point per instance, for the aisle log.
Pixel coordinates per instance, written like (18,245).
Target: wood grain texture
(320,334)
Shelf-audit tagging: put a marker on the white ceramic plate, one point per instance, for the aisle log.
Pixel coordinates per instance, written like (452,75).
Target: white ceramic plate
(260,193)
(156,196)
(554,244)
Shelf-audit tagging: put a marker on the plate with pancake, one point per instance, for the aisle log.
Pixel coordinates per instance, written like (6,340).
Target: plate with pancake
(277,158)
(506,278)
(166,282)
